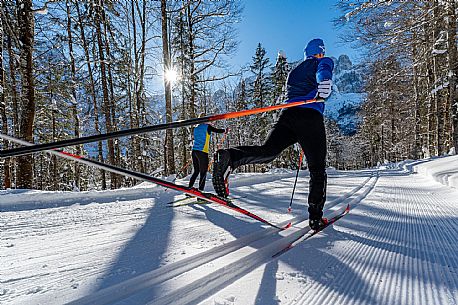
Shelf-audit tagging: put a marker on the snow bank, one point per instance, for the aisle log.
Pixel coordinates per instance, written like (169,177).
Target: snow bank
(23,199)
(443,170)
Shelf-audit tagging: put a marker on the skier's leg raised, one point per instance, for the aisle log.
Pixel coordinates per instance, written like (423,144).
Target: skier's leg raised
(227,160)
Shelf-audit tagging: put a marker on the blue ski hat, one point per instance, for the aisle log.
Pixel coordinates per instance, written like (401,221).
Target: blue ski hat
(315,46)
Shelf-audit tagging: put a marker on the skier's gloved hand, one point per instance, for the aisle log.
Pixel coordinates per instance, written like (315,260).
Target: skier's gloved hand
(324,89)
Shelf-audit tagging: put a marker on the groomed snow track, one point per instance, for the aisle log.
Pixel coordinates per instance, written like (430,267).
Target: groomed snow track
(398,244)
(234,260)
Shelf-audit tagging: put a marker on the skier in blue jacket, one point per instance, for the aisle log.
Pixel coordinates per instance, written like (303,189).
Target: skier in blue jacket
(303,124)
(202,137)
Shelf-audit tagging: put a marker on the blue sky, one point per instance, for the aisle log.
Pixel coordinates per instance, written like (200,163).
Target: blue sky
(288,25)
(284,25)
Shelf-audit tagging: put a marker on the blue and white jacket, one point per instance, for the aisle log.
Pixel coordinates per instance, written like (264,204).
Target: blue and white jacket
(202,136)
(302,82)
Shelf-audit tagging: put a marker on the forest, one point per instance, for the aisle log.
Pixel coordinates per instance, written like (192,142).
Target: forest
(76,68)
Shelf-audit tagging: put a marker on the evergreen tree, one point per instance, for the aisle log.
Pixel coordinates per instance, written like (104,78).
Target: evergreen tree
(278,79)
(261,91)
(259,67)
(279,76)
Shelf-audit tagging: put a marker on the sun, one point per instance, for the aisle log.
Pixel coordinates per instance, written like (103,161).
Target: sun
(171,75)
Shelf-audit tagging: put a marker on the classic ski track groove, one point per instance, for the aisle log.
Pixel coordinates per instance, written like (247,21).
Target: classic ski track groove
(208,285)
(420,269)
(396,254)
(169,272)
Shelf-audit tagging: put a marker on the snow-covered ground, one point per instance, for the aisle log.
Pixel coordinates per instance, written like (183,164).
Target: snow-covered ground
(443,170)
(398,244)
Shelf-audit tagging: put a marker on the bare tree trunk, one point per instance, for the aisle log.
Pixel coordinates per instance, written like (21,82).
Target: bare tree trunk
(133,151)
(417,123)
(431,100)
(437,103)
(142,62)
(170,163)
(92,87)
(424,95)
(106,98)
(452,105)
(136,98)
(193,80)
(14,100)
(117,152)
(184,108)
(140,75)
(26,37)
(6,166)
(54,157)
(74,105)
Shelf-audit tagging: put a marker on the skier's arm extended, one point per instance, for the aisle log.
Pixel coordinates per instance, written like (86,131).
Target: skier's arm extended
(216,130)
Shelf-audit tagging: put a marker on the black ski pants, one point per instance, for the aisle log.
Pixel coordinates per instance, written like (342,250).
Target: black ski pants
(200,164)
(295,125)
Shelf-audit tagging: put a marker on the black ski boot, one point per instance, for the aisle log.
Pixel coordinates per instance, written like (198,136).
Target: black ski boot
(316,220)
(317,224)
(221,171)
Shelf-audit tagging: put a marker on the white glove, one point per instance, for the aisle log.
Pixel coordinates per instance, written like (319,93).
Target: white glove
(324,88)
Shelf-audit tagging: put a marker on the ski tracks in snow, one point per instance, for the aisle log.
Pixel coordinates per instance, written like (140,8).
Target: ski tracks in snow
(193,279)
(399,247)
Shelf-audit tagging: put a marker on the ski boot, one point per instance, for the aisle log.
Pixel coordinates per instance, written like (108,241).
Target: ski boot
(316,220)
(221,171)
(318,224)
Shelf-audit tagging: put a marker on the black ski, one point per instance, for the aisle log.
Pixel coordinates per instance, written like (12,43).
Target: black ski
(31,148)
(311,233)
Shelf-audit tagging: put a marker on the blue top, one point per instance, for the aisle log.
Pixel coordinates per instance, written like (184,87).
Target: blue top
(302,82)
(202,136)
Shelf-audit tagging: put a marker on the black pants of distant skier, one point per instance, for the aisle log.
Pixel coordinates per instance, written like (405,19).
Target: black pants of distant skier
(295,125)
(200,164)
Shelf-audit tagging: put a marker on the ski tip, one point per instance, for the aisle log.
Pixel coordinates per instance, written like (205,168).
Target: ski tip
(347,209)
(287,226)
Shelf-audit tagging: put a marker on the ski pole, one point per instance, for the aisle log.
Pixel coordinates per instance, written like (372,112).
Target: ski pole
(184,167)
(295,181)
(181,171)
(128,132)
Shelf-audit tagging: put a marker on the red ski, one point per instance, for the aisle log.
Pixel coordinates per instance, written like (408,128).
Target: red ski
(122,171)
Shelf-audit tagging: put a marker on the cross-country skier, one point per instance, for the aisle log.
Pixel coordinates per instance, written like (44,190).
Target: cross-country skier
(202,136)
(304,124)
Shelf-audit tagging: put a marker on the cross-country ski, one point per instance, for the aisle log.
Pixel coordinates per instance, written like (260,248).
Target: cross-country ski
(312,232)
